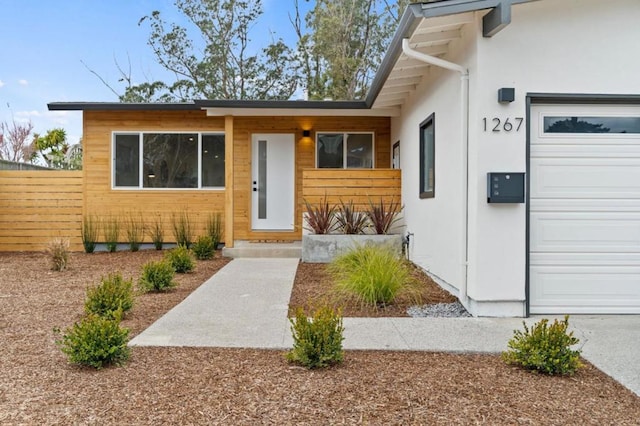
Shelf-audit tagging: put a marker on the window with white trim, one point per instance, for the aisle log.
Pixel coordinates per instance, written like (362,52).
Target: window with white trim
(147,160)
(344,150)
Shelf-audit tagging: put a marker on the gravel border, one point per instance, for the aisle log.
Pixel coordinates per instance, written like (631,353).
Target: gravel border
(444,310)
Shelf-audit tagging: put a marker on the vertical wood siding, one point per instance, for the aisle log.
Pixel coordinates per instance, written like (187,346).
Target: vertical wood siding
(38,206)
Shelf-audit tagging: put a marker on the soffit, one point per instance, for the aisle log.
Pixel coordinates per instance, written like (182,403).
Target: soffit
(432,36)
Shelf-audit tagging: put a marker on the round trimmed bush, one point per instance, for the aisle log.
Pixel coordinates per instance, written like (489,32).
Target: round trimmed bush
(157,276)
(95,342)
(112,297)
(181,259)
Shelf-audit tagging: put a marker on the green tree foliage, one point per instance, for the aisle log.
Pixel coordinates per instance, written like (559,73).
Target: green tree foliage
(56,151)
(219,63)
(343,43)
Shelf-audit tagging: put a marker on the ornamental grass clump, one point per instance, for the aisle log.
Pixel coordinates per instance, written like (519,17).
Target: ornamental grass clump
(317,341)
(180,259)
(349,220)
(383,216)
(182,229)
(320,218)
(203,248)
(545,348)
(135,230)
(111,233)
(58,252)
(373,276)
(111,298)
(95,342)
(214,228)
(89,233)
(156,232)
(157,276)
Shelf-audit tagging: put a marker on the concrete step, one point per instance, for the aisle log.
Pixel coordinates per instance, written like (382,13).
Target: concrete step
(248,249)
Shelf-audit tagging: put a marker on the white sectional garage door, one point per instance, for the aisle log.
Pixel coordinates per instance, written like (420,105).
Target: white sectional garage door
(584,209)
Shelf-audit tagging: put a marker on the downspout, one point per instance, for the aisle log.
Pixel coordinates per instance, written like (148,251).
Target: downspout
(464,90)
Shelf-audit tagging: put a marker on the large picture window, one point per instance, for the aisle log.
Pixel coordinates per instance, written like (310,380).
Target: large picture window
(427,158)
(168,160)
(344,150)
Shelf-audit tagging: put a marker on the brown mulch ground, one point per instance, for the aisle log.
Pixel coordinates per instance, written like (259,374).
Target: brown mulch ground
(313,287)
(235,386)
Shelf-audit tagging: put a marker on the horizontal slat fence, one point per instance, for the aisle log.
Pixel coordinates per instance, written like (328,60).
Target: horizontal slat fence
(358,186)
(38,206)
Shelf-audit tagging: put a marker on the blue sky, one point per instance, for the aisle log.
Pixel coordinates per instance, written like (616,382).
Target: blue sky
(43,44)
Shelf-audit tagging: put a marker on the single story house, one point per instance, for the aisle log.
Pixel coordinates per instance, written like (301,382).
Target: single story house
(513,124)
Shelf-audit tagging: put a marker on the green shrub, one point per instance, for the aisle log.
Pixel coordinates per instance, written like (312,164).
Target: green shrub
(111,298)
(544,348)
(372,275)
(135,230)
(203,248)
(349,220)
(317,342)
(214,228)
(58,251)
(157,276)
(156,232)
(180,259)
(182,229)
(111,233)
(89,232)
(95,341)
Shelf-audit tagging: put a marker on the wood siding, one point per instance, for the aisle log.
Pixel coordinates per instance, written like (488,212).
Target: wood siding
(38,206)
(103,201)
(244,127)
(358,186)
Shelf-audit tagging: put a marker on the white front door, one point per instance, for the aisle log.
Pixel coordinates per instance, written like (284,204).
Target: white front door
(272,182)
(585,209)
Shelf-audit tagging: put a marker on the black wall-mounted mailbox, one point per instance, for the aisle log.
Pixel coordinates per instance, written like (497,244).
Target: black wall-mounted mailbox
(505,187)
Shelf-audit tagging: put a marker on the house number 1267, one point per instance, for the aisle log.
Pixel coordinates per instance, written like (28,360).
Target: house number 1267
(496,124)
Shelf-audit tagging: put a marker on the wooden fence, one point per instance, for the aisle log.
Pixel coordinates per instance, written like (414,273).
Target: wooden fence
(38,206)
(358,186)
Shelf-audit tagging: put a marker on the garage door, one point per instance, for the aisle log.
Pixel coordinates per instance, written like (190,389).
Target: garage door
(584,209)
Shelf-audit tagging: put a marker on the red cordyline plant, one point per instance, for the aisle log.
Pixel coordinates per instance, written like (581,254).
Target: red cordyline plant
(350,221)
(320,217)
(383,216)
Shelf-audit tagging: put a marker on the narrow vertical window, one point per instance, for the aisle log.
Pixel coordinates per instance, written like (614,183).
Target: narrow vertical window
(427,158)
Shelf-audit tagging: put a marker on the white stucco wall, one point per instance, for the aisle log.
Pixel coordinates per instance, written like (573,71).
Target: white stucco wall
(437,223)
(551,46)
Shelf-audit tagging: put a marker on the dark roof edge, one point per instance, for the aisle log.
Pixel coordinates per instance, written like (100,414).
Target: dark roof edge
(281,104)
(408,23)
(120,106)
(200,104)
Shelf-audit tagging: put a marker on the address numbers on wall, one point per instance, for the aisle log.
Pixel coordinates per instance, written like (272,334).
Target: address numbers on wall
(497,124)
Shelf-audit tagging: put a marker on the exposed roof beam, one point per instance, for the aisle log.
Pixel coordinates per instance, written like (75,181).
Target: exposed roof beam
(498,18)
(436,37)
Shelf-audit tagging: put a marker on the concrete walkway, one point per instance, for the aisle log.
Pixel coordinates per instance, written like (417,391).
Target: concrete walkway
(245,305)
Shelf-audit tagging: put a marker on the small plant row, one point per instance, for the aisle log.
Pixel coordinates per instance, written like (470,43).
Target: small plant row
(98,340)
(134,227)
(344,218)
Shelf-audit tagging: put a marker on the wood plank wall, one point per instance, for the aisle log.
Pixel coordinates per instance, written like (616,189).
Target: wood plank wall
(103,201)
(244,127)
(38,206)
(358,186)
